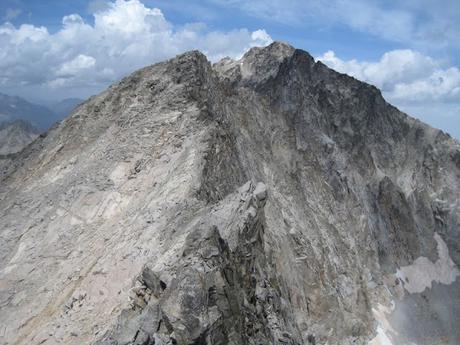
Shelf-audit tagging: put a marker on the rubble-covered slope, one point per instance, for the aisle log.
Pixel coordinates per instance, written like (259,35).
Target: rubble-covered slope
(268,200)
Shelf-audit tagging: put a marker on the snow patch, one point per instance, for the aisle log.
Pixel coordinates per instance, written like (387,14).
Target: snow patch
(422,273)
(416,278)
(386,335)
(381,338)
(384,328)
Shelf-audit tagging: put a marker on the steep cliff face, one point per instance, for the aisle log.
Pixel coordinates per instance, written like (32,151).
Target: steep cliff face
(268,200)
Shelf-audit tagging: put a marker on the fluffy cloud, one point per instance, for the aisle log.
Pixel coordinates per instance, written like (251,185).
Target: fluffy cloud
(404,76)
(75,66)
(125,35)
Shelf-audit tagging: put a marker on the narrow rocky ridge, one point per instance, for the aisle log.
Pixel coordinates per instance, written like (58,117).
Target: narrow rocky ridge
(214,294)
(132,221)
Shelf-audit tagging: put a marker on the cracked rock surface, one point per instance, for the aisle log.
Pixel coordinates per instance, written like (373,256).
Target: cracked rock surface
(268,200)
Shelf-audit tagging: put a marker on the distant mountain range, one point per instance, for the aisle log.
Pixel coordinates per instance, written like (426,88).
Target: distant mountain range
(42,117)
(65,107)
(16,135)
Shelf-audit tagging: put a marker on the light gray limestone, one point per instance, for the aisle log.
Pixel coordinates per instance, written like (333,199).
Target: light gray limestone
(268,200)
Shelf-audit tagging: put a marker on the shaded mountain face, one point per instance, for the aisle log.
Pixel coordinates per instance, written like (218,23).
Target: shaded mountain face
(15,108)
(268,200)
(14,136)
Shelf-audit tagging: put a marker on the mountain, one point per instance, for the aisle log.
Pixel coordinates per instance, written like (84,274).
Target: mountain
(15,108)
(16,135)
(65,107)
(269,200)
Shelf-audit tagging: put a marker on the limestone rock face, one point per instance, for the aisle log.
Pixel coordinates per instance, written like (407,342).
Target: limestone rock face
(268,200)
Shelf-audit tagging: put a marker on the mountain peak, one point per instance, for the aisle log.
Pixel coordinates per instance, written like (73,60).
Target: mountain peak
(268,200)
(277,49)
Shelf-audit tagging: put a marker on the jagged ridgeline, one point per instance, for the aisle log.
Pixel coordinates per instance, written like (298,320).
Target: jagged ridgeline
(268,200)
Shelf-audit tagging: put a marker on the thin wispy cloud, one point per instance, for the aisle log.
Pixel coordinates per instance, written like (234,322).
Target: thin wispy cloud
(12,13)
(414,22)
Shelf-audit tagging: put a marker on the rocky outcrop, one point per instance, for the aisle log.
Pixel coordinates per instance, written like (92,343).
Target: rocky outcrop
(214,294)
(132,221)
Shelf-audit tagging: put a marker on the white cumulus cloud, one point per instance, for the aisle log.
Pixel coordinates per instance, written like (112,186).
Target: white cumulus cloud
(403,75)
(75,66)
(125,35)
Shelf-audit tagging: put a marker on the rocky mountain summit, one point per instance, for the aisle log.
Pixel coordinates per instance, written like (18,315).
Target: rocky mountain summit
(269,200)
(16,135)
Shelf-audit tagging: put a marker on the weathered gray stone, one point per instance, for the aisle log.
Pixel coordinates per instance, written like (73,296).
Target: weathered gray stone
(260,192)
(356,211)
(152,282)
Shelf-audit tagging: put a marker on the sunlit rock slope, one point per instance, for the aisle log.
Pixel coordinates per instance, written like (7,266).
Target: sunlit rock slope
(269,200)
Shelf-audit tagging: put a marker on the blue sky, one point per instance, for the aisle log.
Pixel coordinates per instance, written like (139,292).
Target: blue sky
(52,49)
